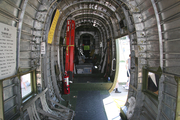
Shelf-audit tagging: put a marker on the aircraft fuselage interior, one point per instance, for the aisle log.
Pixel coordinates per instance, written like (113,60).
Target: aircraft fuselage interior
(60,59)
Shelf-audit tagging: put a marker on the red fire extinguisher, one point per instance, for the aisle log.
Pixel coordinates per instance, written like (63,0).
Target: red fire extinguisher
(66,85)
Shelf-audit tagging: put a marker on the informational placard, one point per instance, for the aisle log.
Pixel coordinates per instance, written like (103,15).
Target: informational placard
(101,44)
(43,49)
(7,50)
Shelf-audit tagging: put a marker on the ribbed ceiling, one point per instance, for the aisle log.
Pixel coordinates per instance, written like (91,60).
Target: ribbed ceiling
(100,14)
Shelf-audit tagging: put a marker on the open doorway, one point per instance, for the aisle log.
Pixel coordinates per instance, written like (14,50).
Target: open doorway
(124,52)
(122,55)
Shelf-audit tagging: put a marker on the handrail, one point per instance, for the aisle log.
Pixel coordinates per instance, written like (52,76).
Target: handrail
(112,63)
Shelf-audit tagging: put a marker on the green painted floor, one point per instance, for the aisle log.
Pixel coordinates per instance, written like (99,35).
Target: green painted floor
(89,97)
(89,78)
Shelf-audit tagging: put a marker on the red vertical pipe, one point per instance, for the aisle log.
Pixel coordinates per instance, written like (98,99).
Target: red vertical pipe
(68,30)
(72,46)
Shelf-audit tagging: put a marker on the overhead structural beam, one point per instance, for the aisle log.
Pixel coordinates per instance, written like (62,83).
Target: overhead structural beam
(103,35)
(109,28)
(108,6)
(100,23)
(104,5)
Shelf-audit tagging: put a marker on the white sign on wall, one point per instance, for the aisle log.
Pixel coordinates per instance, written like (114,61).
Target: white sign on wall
(7,50)
(101,44)
(43,48)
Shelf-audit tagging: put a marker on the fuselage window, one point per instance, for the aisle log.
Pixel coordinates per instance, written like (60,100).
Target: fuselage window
(153,82)
(26,88)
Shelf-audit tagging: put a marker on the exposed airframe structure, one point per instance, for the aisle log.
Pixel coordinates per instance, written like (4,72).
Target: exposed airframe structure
(153,28)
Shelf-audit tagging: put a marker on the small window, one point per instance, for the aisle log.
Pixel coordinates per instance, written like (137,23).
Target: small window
(26,88)
(153,82)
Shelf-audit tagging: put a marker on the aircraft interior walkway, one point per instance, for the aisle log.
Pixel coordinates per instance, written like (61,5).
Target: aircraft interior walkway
(96,103)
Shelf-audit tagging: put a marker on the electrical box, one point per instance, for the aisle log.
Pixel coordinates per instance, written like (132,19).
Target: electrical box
(84,69)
